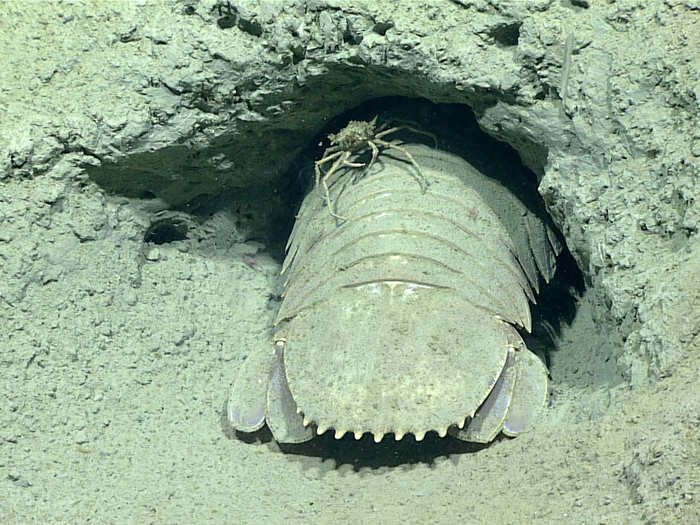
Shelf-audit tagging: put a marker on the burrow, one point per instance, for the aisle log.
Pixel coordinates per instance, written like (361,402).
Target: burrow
(270,169)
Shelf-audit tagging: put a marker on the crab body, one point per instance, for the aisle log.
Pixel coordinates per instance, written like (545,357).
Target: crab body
(355,135)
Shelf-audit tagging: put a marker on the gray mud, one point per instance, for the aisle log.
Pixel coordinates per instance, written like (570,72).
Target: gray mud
(151,157)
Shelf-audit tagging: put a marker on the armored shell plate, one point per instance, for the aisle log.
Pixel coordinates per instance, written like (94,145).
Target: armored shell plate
(380,360)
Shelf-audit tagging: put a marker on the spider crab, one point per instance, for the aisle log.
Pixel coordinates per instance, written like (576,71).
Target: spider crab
(357,136)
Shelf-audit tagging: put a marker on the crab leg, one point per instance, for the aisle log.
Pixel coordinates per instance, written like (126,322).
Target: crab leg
(425,183)
(317,167)
(386,132)
(375,153)
(342,161)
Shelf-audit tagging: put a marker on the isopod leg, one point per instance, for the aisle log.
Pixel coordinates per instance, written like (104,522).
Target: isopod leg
(282,417)
(246,403)
(491,415)
(529,393)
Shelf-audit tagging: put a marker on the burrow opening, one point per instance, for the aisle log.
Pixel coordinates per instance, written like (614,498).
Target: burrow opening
(577,358)
(455,125)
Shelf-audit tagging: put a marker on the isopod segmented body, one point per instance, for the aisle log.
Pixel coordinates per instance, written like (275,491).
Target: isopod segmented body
(401,318)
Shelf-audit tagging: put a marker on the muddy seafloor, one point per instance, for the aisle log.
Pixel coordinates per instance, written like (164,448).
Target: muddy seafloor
(120,335)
